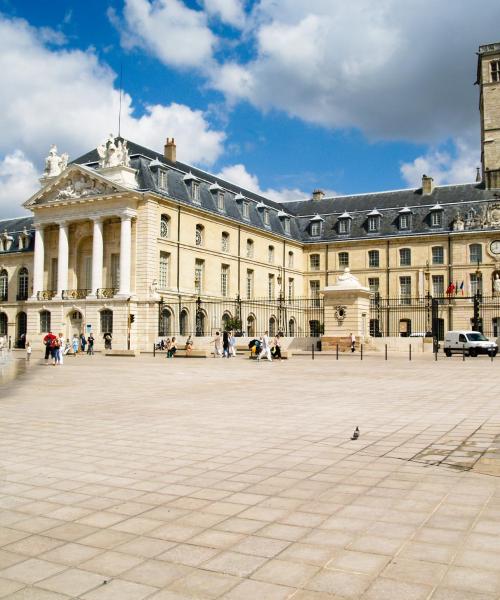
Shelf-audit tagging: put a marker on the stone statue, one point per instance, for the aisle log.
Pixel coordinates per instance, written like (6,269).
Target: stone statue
(496,285)
(458,223)
(113,154)
(347,276)
(55,164)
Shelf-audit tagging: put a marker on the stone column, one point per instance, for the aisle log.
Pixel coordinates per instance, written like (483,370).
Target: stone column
(125,255)
(38,261)
(62,259)
(97,256)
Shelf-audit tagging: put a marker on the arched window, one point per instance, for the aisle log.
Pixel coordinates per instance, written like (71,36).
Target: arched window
(271,254)
(44,321)
(291,327)
(164,226)
(272,326)
(3,324)
(250,325)
(249,248)
(199,235)
(22,284)
(373,258)
(475,253)
(183,322)
(165,324)
(224,241)
(106,321)
(314,262)
(4,285)
(290,260)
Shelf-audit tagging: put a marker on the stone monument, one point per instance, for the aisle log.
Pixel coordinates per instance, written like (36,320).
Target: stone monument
(347,311)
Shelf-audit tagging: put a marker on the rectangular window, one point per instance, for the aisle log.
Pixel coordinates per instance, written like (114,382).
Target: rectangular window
(404,222)
(286,225)
(290,260)
(495,70)
(405,257)
(270,256)
(266,217)
(224,281)
(246,210)
(162,180)
(291,288)
(344,225)
(438,285)
(405,289)
(115,271)
(270,287)
(343,259)
(373,258)
(314,260)
(315,228)
(436,218)
(195,192)
(374,284)
(475,253)
(249,284)
(220,201)
(373,223)
(88,272)
(437,255)
(163,272)
(53,274)
(476,283)
(198,275)
(314,289)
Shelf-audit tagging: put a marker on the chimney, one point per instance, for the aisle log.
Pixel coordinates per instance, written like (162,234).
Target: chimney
(478,174)
(427,185)
(318,195)
(169,150)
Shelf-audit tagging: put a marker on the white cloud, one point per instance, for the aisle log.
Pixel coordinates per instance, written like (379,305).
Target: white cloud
(18,181)
(68,97)
(445,166)
(174,33)
(228,11)
(239,175)
(395,70)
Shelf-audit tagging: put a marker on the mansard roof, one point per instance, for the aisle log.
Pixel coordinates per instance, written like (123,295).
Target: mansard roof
(14,228)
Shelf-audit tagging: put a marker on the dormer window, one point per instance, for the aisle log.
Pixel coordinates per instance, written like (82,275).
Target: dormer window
(316,225)
(286,225)
(374,221)
(220,201)
(195,191)
(404,218)
(162,179)
(437,216)
(245,209)
(266,217)
(495,70)
(345,223)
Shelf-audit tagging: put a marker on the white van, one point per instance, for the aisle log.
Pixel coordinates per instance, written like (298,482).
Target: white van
(470,342)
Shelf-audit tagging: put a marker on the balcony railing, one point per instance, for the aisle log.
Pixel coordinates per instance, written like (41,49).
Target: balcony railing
(106,292)
(46,294)
(3,297)
(78,294)
(22,296)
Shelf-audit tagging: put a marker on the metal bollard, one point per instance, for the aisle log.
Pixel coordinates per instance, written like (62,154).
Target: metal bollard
(337,351)
(154,349)
(463,352)
(386,352)
(312,349)
(436,355)
(361,351)
(410,350)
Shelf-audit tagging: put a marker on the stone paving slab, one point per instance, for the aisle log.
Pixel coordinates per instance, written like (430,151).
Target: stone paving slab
(145,478)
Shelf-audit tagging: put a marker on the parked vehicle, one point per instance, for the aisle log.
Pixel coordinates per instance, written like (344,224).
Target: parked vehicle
(470,342)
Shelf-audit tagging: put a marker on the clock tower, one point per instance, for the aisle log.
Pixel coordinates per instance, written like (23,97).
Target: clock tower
(488,78)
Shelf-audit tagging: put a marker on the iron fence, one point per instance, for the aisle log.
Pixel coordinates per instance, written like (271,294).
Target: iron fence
(297,317)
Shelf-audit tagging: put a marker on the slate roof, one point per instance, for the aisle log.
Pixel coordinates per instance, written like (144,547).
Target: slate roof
(14,227)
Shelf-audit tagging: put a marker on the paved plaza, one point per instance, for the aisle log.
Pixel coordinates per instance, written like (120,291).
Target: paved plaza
(135,478)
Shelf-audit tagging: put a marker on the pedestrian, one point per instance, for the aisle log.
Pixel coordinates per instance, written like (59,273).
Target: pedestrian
(168,343)
(265,347)
(189,345)
(60,349)
(225,344)
(75,345)
(90,343)
(232,344)
(54,350)
(172,350)
(107,340)
(83,342)
(48,340)
(353,342)
(217,345)
(277,346)
(28,351)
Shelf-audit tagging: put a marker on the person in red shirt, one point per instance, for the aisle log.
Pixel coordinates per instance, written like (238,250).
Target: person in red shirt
(49,341)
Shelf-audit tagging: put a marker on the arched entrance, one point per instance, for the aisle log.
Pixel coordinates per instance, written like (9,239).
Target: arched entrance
(251,326)
(183,322)
(165,325)
(21,327)
(75,324)
(226,318)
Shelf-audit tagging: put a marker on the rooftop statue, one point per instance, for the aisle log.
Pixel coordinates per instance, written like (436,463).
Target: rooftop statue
(113,153)
(55,164)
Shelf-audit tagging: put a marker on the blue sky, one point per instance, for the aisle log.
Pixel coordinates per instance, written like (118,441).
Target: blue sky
(279,96)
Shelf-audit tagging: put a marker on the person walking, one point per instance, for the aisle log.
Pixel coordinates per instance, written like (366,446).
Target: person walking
(172,350)
(232,344)
(225,344)
(54,350)
(83,342)
(48,340)
(217,345)
(353,342)
(75,344)
(90,343)
(60,349)
(28,351)
(265,347)
(277,346)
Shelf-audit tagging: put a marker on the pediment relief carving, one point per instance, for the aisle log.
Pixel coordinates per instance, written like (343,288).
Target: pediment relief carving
(483,218)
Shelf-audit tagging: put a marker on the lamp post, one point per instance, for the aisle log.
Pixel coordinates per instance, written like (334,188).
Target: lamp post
(160,316)
(281,300)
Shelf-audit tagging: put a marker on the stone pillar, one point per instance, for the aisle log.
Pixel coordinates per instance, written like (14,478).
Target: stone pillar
(125,255)
(62,259)
(347,310)
(38,261)
(97,256)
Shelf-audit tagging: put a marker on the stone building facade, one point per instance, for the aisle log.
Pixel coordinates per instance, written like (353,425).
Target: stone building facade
(124,238)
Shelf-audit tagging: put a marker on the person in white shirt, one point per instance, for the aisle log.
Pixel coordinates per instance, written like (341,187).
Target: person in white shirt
(265,349)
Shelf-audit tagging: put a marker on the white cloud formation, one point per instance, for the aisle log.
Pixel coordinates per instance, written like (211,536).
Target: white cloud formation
(458,166)
(68,97)
(228,11)
(239,175)
(179,36)
(396,70)
(18,181)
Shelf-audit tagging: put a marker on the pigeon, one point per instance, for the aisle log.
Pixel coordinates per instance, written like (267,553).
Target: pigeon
(355,435)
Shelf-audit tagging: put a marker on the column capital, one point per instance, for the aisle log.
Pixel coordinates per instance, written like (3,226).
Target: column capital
(63,223)
(127,214)
(39,226)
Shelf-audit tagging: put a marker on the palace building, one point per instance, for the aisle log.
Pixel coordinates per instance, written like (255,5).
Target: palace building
(131,241)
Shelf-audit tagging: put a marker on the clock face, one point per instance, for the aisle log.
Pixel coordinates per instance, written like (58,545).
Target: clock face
(495,247)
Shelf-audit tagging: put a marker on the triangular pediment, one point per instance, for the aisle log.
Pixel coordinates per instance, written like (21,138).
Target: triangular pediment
(75,183)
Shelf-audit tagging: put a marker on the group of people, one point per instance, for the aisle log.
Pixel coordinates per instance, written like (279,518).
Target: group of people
(269,349)
(224,346)
(56,347)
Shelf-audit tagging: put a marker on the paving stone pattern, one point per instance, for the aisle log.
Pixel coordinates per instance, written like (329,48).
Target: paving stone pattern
(131,479)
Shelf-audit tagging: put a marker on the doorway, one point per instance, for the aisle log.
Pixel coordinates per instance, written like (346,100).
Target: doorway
(75,324)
